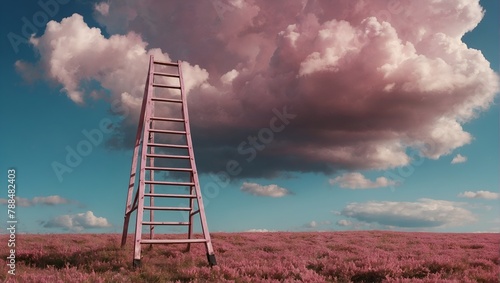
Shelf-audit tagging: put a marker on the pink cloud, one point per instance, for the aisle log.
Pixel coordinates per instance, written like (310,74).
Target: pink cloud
(365,80)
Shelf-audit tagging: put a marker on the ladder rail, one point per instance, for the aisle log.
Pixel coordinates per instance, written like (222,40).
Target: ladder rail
(201,208)
(133,170)
(142,173)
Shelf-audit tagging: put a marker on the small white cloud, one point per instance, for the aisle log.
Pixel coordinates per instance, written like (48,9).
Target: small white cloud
(480,194)
(102,8)
(77,222)
(269,191)
(458,159)
(344,223)
(356,180)
(312,224)
(257,230)
(422,213)
(316,225)
(50,200)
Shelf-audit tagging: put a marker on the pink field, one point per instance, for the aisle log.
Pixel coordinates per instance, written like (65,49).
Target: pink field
(369,256)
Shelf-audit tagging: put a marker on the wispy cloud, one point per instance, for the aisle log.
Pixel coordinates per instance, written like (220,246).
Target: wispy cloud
(77,222)
(268,191)
(424,213)
(20,201)
(48,200)
(358,181)
(480,194)
(458,159)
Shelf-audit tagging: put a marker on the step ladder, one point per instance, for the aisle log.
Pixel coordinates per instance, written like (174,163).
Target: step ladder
(166,168)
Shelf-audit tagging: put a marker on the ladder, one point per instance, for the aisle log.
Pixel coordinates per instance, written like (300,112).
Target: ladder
(166,164)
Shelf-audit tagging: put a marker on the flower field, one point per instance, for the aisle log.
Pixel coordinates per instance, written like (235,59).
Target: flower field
(365,256)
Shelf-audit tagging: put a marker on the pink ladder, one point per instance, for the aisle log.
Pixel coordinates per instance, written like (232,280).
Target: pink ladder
(166,165)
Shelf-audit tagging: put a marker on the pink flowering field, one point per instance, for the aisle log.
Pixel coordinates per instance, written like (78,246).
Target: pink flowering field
(365,256)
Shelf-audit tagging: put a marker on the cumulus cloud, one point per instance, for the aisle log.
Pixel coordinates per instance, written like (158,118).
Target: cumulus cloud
(458,159)
(268,191)
(49,200)
(358,181)
(312,224)
(480,194)
(77,222)
(365,79)
(344,222)
(424,213)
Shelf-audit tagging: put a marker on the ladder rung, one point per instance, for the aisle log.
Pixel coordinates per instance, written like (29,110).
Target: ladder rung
(168,156)
(164,223)
(172,241)
(167,208)
(166,63)
(166,86)
(168,145)
(168,169)
(167,74)
(168,132)
(170,183)
(166,100)
(168,195)
(167,119)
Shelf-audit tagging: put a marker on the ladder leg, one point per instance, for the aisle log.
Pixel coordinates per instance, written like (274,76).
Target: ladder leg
(133,170)
(191,205)
(125,229)
(204,227)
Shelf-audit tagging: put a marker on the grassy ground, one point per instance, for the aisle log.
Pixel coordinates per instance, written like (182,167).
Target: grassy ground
(370,256)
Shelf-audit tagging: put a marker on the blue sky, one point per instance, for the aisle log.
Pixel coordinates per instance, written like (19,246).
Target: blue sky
(41,124)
